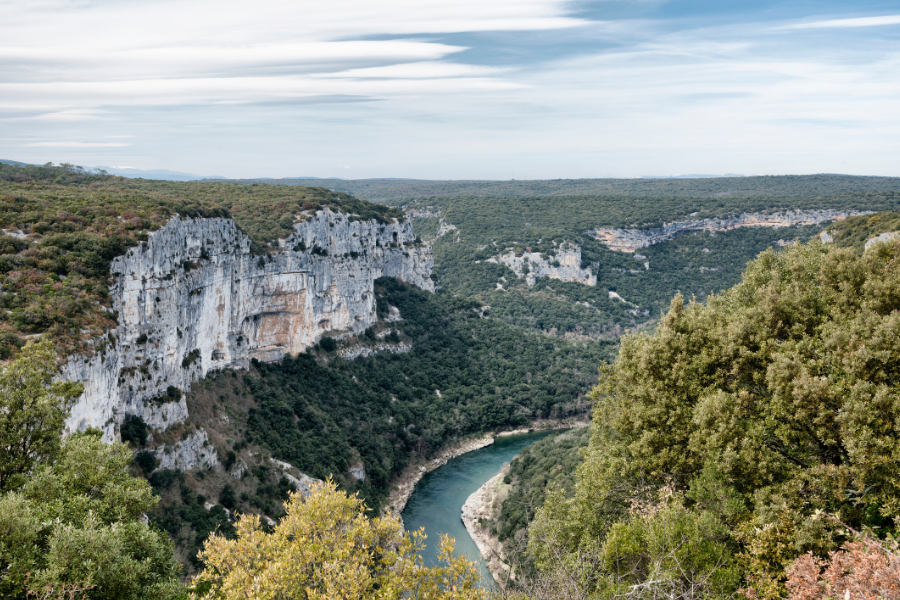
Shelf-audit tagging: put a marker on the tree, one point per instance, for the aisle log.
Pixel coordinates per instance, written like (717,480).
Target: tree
(327,548)
(71,517)
(863,568)
(33,411)
(79,522)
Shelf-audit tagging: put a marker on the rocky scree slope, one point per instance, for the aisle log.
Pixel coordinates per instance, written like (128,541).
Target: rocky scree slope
(192,299)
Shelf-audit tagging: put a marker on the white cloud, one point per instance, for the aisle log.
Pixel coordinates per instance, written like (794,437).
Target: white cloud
(91,55)
(844,23)
(420,70)
(69,116)
(64,144)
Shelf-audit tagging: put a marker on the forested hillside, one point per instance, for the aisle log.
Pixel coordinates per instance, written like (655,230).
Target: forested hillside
(708,187)
(855,231)
(546,465)
(466,374)
(744,433)
(470,222)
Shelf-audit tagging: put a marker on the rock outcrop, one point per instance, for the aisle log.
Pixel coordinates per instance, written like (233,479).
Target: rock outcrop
(564,265)
(193,451)
(630,240)
(193,299)
(882,238)
(301,481)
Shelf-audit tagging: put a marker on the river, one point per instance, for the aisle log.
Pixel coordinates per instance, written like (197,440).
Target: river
(436,503)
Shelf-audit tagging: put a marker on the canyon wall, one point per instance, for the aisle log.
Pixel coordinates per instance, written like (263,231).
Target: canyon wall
(193,299)
(564,265)
(629,240)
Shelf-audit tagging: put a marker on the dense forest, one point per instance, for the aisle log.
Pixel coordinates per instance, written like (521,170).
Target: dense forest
(549,464)
(695,264)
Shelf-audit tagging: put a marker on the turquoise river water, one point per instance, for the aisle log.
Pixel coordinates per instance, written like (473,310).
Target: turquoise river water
(436,503)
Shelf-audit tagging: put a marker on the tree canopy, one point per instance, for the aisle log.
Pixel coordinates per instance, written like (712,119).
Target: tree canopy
(33,410)
(749,416)
(326,548)
(71,516)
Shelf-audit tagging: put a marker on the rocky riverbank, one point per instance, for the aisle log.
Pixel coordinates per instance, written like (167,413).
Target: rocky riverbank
(478,512)
(404,485)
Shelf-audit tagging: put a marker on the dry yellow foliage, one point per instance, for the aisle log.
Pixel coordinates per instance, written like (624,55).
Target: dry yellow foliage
(326,548)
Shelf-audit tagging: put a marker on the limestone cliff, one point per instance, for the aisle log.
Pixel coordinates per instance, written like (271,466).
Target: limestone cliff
(194,299)
(564,264)
(629,240)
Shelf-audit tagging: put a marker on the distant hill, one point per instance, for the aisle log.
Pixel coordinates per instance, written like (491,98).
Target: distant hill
(763,186)
(159,174)
(474,224)
(163,174)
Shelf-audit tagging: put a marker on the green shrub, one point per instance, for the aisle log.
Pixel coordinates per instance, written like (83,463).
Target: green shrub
(134,430)
(145,461)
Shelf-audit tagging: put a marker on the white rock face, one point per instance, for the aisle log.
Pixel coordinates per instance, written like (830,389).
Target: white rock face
(193,451)
(629,240)
(879,239)
(193,299)
(358,473)
(445,228)
(302,482)
(565,265)
(357,351)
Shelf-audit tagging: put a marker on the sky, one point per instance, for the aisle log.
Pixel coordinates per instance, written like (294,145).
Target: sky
(461,89)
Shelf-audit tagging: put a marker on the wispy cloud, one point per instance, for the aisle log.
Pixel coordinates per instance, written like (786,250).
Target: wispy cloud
(69,115)
(64,144)
(845,23)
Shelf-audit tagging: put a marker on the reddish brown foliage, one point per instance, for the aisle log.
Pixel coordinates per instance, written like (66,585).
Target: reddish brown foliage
(864,569)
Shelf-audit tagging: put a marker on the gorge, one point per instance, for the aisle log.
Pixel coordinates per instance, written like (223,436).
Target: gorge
(256,337)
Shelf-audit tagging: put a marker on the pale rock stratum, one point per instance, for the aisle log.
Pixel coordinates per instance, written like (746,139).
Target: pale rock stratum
(630,240)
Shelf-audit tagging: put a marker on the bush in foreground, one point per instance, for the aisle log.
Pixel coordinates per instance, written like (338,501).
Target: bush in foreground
(327,548)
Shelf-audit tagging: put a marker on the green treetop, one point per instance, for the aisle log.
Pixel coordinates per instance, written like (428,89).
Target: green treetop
(764,407)
(71,517)
(33,410)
